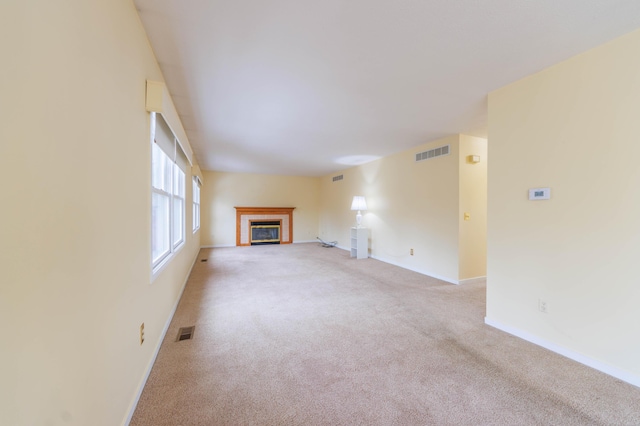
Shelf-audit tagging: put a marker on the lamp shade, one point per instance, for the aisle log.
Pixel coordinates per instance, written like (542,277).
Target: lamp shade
(358,203)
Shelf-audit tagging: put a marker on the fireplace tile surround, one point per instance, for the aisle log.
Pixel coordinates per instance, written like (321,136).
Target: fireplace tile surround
(244,216)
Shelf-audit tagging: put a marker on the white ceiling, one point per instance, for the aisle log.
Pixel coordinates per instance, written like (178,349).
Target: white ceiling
(299,87)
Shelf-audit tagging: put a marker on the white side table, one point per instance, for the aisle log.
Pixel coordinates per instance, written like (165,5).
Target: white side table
(359,243)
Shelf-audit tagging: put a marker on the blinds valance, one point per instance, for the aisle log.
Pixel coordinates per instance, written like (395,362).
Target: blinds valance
(167,141)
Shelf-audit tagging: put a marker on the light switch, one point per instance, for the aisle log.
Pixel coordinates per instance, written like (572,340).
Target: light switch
(467,216)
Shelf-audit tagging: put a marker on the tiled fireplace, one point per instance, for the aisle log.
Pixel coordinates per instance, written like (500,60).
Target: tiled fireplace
(248,216)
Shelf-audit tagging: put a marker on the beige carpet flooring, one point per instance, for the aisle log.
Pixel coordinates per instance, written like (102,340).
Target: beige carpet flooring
(304,335)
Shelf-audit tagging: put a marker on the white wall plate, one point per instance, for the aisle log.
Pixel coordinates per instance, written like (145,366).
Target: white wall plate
(540,193)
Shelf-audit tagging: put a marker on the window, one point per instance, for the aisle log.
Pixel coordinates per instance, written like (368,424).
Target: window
(196,204)
(161,167)
(168,165)
(178,206)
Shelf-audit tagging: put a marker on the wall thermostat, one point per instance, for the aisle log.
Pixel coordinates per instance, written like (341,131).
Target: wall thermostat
(540,193)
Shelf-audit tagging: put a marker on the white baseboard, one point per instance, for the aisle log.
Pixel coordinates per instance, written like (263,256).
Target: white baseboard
(143,382)
(623,375)
(391,262)
(474,280)
(221,246)
(427,273)
(423,272)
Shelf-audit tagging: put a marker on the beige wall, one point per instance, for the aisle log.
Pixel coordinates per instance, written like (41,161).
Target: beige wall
(575,128)
(223,191)
(410,205)
(75,217)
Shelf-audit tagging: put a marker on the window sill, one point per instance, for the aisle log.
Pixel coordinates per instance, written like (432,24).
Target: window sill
(156,270)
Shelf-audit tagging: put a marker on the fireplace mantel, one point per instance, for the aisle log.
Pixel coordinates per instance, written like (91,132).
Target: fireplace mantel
(244,215)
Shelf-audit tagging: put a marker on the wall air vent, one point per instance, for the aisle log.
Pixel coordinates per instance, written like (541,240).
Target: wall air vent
(337,178)
(433,153)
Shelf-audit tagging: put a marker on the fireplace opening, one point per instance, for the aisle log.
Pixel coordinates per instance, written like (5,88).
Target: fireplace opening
(265,232)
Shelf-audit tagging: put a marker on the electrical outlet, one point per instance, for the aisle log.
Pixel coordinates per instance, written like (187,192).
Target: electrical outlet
(542,306)
(411,252)
(142,333)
